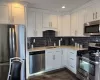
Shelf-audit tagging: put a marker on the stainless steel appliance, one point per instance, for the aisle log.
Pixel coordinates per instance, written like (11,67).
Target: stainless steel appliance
(36,62)
(92,28)
(88,63)
(12,44)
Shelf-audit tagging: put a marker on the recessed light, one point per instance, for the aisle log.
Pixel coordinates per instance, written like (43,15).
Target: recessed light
(63,7)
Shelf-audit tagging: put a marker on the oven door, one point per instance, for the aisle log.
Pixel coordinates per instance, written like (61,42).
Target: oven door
(87,68)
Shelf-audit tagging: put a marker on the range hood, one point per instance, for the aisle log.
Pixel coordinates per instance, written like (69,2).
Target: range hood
(49,33)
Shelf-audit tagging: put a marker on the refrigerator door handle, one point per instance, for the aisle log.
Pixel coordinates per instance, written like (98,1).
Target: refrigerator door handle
(14,43)
(10,42)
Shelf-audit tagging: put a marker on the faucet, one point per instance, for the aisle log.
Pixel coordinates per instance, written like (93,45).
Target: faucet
(49,42)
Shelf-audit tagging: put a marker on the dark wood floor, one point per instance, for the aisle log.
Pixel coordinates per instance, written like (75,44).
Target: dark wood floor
(58,75)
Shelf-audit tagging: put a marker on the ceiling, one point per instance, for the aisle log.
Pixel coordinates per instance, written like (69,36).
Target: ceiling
(56,5)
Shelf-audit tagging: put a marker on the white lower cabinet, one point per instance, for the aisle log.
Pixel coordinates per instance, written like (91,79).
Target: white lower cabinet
(57,58)
(60,58)
(52,59)
(72,60)
(48,60)
(64,58)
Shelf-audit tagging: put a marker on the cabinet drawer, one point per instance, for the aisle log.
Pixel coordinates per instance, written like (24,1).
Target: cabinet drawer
(72,61)
(72,65)
(72,55)
(72,68)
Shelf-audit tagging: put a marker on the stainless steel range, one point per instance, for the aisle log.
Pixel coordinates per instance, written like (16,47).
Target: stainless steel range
(88,63)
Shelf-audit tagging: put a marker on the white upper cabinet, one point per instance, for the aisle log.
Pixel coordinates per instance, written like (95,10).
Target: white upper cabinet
(31,23)
(77,23)
(80,28)
(4,14)
(74,24)
(97,10)
(93,11)
(46,20)
(39,32)
(17,13)
(12,13)
(59,33)
(50,21)
(34,28)
(54,21)
(66,25)
(89,14)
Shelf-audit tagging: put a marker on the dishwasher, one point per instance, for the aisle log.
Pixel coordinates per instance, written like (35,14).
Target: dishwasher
(36,61)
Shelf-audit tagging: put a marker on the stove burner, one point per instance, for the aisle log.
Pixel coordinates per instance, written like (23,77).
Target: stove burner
(92,53)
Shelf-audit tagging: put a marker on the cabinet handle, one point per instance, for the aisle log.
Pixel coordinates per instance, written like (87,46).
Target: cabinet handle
(75,33)
(71,52)
(93,16)
(71,58)
(57,51)
(53,57)
(96,15)
(72,66)
(51,24)
(12,19)
(35,33)
(62,53)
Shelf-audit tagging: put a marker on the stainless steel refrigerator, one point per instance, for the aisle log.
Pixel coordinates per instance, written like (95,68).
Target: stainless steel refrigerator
(12,44)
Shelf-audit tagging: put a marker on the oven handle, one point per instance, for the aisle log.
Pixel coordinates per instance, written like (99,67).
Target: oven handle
(90,60)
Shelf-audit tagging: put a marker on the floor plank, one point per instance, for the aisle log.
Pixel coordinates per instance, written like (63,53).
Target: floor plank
(60,75)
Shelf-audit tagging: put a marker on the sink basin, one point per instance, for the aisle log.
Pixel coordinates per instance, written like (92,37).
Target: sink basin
(51,47)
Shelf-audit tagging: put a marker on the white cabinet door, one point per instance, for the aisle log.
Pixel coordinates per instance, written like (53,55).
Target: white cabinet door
(50,21)
(54,21)
(46,20)
(97,13)
(4,14)
(18,13)
(90,14)
(80,29)
(74,23)
(66,25)
(72,61)
(39,32)
(59,32)
(57,59)
(53,59)
(64,58)
(31,24)
(49,60)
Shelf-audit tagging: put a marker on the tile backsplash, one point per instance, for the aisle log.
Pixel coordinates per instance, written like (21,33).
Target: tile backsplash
(49,41)
(44,41)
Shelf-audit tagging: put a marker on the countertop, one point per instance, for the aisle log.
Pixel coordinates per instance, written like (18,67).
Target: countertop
(51,47)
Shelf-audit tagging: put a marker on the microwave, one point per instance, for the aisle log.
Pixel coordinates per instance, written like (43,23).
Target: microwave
(92,28)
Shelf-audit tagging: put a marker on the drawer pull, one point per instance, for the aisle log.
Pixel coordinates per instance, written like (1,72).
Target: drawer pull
(71,58)
(57,51)
(72,66)
(71,52)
